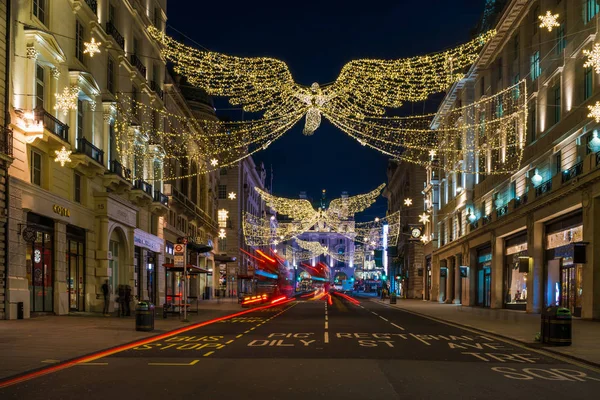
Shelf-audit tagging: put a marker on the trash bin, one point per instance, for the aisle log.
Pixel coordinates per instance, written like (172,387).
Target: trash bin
(20,310)
(393,298)
(144,316)
(556,326)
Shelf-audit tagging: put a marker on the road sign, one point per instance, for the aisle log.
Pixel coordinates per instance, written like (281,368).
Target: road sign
(179,260)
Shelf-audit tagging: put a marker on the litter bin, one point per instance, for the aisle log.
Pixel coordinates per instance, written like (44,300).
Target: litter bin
(393,298)
(20,310)
(556,326)
(144,316)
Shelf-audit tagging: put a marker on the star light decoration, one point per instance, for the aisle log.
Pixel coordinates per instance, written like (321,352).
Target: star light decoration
(214,162)
(67,100)
(92,47)
(595,111)
(549,21)
(424,218)
(232,196)
(593,58)
(408,202)
(222,234)
(62,156)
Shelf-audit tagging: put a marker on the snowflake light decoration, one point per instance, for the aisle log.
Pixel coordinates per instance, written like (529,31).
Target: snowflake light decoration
(275,242)
(408,202)
(92,47)
(67,100)
(214,162)
(595,111)
(222,234)
(62,156)
(432,154)
(423,218)
(232,196)
(424,239)
(593,58)
(549,21)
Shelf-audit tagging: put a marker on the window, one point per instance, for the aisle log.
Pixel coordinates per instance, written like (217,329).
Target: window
(79,122)
(222,192)
(556,103)
(535,14)
(134,101)
(39,86)
(138,162)
(516,90)
(79,40)
(588,83)
(222,244)
(110,75)
(536,70)
(112,14)
(500,69)
(194,179)
(184,172)
(561,40)
(158,174)
(558,162)
(223,171)
(481,166)
(482,88)
(36,168)
(516,47)
(112,144)
(39,10)
(77,188)
(532,123)
(157,18)
(591,9)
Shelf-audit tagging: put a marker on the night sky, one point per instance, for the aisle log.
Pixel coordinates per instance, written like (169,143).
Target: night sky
(315,39)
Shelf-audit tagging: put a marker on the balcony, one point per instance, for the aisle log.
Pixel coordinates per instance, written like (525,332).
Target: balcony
(52,124)
(142,193)
(572,172)
(502,211)
(472,226)
(111,29)
(522,200)
(195,212)
(543,188)
(93,5)
(6,144)
(117,178)
(160,204)
(88,158)
(486,219)
(156,88)
(138,64)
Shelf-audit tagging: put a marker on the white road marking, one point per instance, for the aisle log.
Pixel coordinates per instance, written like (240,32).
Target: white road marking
(326,337)
(326,325)
(397,326)
(385,319)
(418,338)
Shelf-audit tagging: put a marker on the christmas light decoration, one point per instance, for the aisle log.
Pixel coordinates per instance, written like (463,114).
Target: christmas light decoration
(593,58)
(595,111)
(408,202)
(222,216)
(92,47)
(222,234)
(313,247)
(67,100)
(232,196)
(424,218)
(62,156)
(214,162)
(549,21)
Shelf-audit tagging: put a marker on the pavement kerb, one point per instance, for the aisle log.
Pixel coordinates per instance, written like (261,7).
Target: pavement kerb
(34,373)
(523,342)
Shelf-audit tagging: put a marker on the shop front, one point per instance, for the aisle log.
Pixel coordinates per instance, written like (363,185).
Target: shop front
(39,259)
(483,287)
(146,252)
(564,283)
(516,268)
(428,278)
(76,268)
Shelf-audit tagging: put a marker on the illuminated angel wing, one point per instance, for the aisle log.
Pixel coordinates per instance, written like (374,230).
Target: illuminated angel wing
(314,247)
(368,86)
(346,207)
(297,209)
(256,83)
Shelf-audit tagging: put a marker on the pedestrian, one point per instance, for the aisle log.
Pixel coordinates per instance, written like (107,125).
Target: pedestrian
(105,294)
(127,300)
(121,300)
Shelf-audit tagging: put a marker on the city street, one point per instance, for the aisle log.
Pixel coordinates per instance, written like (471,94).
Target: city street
(309,348)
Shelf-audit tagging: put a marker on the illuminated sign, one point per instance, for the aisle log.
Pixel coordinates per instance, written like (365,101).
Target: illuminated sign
(62,211)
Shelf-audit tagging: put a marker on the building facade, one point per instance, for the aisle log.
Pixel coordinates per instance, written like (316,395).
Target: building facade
(100,216)
(525,240)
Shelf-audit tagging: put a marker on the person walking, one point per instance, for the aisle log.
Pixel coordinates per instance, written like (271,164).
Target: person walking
(106,295)
(128,300)
(121,300)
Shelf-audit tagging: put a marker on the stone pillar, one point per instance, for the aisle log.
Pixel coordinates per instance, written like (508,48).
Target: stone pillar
(472,277)
(591,272)
(535,277)
(450,280)
(497,285)
(61,294)
(435,278)
(457,281)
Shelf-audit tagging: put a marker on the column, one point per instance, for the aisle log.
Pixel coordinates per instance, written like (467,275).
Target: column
(457,281)
(450,280)
(435,278)
(535,277)
(61,295)
(497,285)
(591,273)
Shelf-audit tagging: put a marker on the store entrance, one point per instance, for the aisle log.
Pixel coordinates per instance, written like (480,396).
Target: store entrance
(570,293)
(40,263)
(443,277)
(484,287)
(76,271)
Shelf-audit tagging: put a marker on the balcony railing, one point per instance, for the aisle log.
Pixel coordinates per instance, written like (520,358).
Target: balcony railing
(136,62)
(598,158)
(502,211)
(543,188)
(519,201)
(473,225)
(144,186)
(93,4)
(116,168)
(486,219)
(185,201)
(85,147)
(161,198)
(52,124)
(6,141)
(111,29)
(572,172)
(156,87)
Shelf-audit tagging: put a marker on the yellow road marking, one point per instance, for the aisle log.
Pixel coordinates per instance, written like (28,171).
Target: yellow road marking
(208,354)
(175,364)
(92,363)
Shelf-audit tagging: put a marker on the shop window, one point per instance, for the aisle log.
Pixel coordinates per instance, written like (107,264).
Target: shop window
(77,188)
(40,10)
(36,167)
(516,268)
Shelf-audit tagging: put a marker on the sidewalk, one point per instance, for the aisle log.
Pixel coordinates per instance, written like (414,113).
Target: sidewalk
(37,342)
(515,325)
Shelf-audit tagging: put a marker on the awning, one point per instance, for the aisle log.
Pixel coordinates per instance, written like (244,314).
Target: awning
(192,269)
(224,258)
(199,247)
